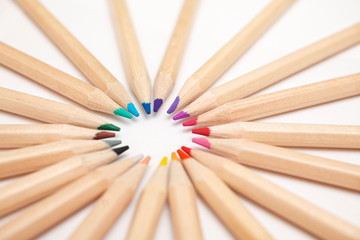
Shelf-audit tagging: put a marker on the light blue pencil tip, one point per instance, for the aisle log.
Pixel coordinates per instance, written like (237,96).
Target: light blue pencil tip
(131,108)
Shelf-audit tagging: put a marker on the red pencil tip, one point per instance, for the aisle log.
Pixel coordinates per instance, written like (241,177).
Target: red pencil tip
(202,141)
(191,122)
(102,135)
(182,155)
(186,149)
(202,131)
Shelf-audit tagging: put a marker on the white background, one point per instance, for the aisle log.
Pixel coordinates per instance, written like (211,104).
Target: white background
(157,135)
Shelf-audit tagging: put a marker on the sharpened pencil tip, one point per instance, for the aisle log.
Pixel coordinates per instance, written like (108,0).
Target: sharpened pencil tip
(181,115)
(112,143)
(109,126)
(174,105)
(201,131)
(182,155)
(102,135)
(157,104)
(146,160)
(147,107)
(132,109)
(191,122)
(120,150)
(186,149)
(123,113)
(202,141)
(163,161)
(174,157)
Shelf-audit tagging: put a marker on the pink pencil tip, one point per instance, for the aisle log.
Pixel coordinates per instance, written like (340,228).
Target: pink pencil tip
(181,115)
(191,122)
(202,141)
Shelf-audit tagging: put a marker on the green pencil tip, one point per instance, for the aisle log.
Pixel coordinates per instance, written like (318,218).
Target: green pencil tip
(109,126)
(112,143)
(123,113)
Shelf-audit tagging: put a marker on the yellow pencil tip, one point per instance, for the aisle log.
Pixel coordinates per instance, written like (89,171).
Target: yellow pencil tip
(163,162)
(174,157)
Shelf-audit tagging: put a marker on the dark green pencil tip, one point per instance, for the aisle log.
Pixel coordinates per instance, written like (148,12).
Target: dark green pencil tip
(120,150)
(112,143)
(109,127)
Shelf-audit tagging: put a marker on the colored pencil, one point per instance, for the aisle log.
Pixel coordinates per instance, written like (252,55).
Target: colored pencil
(182,203)
(49,111)
(286,161)
(58,81)
(29,159)
(208,73)
(23,135)
(34,186)
(273,72)
(111,204)
(169,68)
(289,206)
(150,205)
(288,134)
(287,100)
(51,210)
(223,201)
(137,75)
(77,53)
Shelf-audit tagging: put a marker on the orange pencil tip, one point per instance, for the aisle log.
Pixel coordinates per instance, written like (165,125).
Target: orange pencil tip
(174,157)
(146,160)
(182,155)
(163,162)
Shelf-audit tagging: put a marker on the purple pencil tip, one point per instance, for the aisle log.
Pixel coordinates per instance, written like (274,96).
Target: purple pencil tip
(181,115)
(174,105)
(157,104)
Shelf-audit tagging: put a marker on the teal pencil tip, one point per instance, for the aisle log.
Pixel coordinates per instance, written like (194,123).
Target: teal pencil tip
(131,108)
(109,127)
(147,107)
(123,113)
(112,143)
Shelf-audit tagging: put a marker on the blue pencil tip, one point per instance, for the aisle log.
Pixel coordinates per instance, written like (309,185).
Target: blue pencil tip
(157,104)
(131,108)
(147,107)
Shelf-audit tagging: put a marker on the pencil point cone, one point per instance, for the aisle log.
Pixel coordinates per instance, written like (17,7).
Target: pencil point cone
(186,149)
(102,135)
(123,113)
(163,161)
(146,160)
(109,126)
(182,155)
(201,131)
(174,105)
(120,150)
(174,157)
(181,115)
(132,109)
(202,141)
(147,107)
(112,143)
(191,122)
(157,104)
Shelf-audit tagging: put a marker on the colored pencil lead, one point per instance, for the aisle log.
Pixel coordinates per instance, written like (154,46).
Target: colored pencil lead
(202,131)
(103,134)
(112,143)
(173,105)
(163,161)
(174,157)
(157,104)
(146,160)
(123,113)
(191,122)
(120,150)
(186,149)
(109,126)
(181,115)
(182,155)
(131,108)
(202,141)
(147,107)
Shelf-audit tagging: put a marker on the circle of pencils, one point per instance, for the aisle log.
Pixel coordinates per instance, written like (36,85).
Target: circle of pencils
(73,157)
